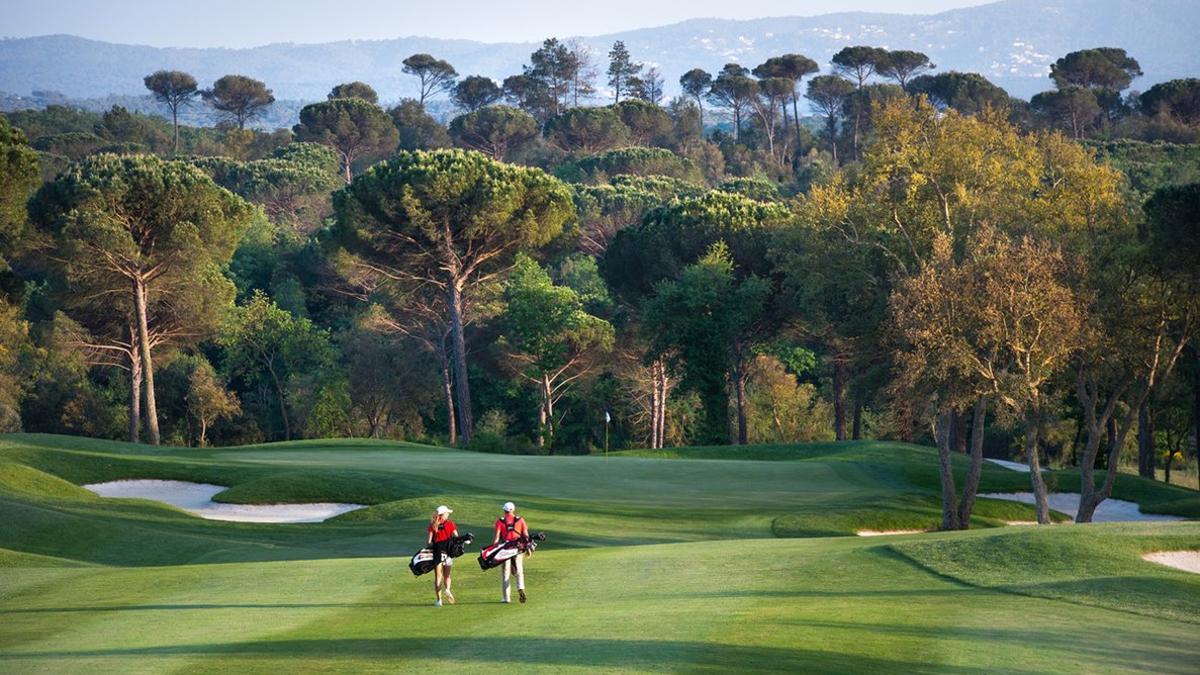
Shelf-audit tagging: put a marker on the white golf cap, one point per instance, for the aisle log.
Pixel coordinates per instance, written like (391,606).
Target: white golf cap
(444,510)
(509,506)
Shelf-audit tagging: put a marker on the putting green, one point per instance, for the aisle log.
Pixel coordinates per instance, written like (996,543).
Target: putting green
(667,562)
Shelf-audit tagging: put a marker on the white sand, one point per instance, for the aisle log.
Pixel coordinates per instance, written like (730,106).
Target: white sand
(1109,511)
(884,533)
(197,498)
(1188,561)
(1011,466)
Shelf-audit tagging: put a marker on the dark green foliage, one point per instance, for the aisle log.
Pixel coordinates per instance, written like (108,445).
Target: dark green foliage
(174,89)
(1150,166)
(1074,109)
(1173,230)
(965,92)
(860,63)
(622,71)
(353,127)
(275,358)
(238,99)
(436,75)
(587,130)
(678,234)
(18,178)
(1101,68)
(418,130)
(758,189)
(497,131)
(631,161)
(902,65)
(1177,99)
(604,210)
(647,123)
(359,90)
(696,323)
(475,92)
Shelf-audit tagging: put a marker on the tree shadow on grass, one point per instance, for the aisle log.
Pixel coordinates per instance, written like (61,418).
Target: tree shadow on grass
(1117,648)
(205,606)
(505,652)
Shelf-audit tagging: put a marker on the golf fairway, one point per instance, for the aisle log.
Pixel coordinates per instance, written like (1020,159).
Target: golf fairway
(688,562)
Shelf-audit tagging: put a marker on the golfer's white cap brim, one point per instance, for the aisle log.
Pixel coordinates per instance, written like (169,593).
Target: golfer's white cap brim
(443,510)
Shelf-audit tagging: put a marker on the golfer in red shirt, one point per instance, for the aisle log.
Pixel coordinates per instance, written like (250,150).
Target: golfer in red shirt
(511,527)
(441,530)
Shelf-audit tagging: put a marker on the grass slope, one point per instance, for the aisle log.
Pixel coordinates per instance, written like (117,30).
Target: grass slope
(654,563)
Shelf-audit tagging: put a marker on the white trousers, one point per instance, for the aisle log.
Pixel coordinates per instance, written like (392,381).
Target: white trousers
(506,574)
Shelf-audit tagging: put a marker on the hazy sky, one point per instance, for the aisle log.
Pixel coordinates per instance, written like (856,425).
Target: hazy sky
(245,23)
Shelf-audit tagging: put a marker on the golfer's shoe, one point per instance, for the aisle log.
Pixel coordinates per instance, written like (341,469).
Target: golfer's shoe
(521,592)
(437,603)
(504,601)
(449,596)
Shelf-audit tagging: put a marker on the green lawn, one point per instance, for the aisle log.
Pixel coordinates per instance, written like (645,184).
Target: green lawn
(703,559)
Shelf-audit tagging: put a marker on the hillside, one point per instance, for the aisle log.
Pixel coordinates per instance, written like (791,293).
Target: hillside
(1012,42)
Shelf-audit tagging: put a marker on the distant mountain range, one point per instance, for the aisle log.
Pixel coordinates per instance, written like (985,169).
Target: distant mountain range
(1012,42)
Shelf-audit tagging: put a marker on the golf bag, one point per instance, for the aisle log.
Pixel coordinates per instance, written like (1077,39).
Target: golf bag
(422,561)
(498,554)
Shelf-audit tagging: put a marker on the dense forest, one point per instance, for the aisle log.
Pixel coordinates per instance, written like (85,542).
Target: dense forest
(890,250)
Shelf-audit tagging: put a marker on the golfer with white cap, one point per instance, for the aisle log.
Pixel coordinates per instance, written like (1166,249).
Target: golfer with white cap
(511,527)
(441,531)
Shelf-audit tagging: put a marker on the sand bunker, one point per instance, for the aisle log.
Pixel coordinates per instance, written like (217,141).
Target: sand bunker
(197,498)
(1109,511)
(884,533)
(1011,466)
(1188,561)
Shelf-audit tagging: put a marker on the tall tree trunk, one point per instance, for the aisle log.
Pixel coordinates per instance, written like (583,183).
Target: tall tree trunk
(543,405)
(549,397)
(739,388)
(466,424)
(654,405)
(856,420)
(1194,437)
(971,485)
(1111,428)
(143,330)
(663,389)
(282,398)
(175,123)
(448,392)
(1145,438)
(796,118)
(839,399)
(941,433)
(832,125)
(1035,466)
(135,390)
(857,126)
(1090,497)
(960,432)
(346,167)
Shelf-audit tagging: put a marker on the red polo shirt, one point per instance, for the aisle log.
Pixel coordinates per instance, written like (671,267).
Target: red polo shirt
(442,532)
(518,530)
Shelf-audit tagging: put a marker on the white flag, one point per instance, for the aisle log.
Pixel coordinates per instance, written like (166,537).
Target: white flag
(607,417)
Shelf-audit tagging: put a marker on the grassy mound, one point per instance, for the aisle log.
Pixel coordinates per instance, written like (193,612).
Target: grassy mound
(1097,565)
(25,480)
(295,487)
